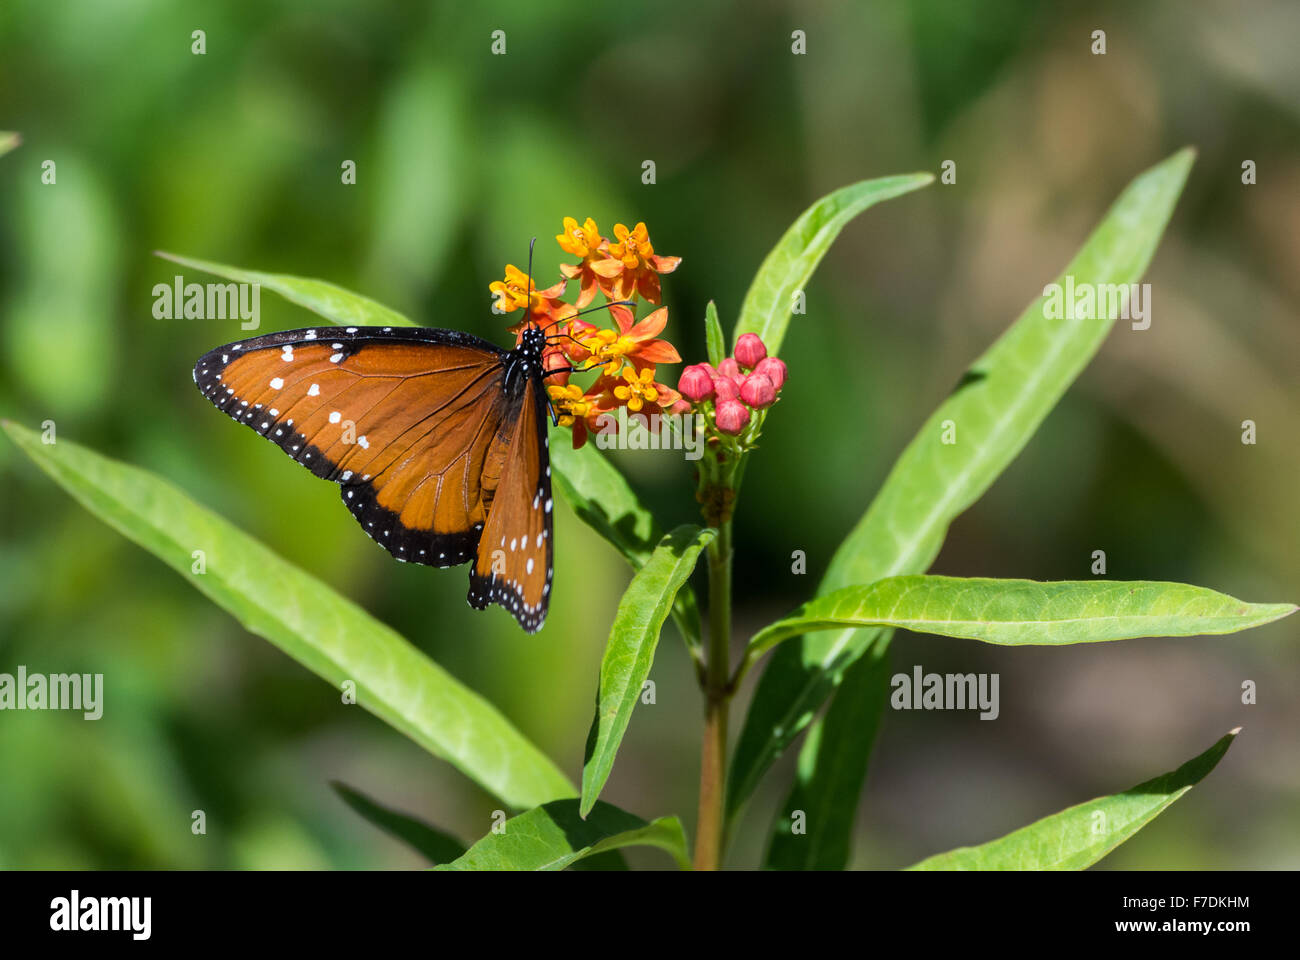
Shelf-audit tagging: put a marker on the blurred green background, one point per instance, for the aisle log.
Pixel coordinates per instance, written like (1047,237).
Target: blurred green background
(462,156)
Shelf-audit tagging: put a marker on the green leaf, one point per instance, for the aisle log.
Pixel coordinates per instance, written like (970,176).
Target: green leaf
(554,835)
(335,304)
(631,649)
(439,847)
(1024,612)
(788,267)
(996,407)
(830,773)
(9,141)
(713,337)
(1079,836)
(602,498)
(326,633)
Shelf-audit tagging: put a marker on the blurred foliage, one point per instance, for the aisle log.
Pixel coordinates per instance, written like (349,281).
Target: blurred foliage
(461,157)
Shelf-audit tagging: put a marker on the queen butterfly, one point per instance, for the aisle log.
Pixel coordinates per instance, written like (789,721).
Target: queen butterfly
(437,439)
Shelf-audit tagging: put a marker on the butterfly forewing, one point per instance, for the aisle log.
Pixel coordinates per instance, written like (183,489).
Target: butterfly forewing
(513,567)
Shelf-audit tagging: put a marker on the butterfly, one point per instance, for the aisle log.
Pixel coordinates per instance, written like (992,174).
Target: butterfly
(437,440)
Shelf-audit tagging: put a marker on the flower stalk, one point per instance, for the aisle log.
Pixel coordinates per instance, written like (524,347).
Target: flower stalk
(710,829)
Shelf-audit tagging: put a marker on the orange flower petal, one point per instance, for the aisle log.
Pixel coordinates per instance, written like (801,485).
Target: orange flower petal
(609,269)
(647,284)
(587,292)
(658,351)
(623,317)
(650,326)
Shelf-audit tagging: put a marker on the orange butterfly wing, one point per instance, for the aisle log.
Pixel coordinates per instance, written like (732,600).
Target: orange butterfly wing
(514,567)
(416,425)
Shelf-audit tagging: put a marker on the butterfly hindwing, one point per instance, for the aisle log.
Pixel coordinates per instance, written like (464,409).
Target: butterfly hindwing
(514,563)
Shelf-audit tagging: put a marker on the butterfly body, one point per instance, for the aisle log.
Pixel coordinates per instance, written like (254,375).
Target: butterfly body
(436,438)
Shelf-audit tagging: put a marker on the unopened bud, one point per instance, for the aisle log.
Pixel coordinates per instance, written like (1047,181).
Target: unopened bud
(773,369)
(758,391)
(731,417)
(750,350)
(696,383)
(725,388)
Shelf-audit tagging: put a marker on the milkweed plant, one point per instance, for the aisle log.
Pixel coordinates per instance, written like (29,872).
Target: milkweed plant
(824,666)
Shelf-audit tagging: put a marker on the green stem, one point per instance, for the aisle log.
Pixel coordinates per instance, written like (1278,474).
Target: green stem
(717,700)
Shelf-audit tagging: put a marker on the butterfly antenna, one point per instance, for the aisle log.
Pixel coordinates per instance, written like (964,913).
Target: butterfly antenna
(528,306)
(591,366)
(580,313)
(606,306)
(565,336)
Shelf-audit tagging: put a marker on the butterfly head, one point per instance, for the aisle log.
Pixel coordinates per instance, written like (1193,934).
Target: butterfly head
(532,342)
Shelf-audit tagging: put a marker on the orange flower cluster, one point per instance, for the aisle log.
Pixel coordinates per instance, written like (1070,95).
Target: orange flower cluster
(626,354)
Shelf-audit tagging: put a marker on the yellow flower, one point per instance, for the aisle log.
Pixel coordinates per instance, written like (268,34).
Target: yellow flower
(585,242)
(578,410)
(637,389)
(581,241)
(514,292)
(610,348)
(632,246)
(569,403)
(632,266)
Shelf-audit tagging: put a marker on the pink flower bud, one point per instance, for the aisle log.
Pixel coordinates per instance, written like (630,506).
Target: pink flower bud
(758,391)
(750,350)
(773,369)
(730,369)
(695,383)
(731,417)
(725,389)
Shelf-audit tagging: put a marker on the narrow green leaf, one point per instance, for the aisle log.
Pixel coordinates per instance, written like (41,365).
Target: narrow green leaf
(554,835)
(829,774)
(996,408)
(334,303)
(1025,612)
(437,846)
(326,633)
(1079,836)
(9,141)
(602,498)
(714,340)
(790,264)
(630,650)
